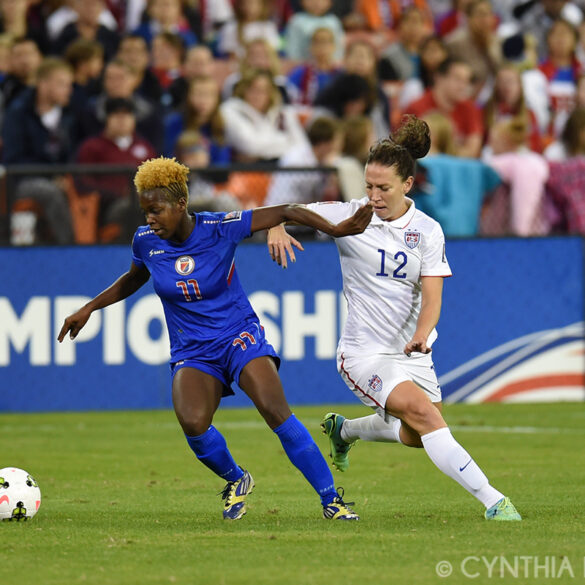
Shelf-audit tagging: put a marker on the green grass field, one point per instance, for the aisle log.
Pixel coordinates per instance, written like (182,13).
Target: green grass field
(125,502)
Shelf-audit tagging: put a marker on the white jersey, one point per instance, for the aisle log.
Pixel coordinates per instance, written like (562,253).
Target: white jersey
(382,269)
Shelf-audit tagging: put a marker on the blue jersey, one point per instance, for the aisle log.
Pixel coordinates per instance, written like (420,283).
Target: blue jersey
(196,280)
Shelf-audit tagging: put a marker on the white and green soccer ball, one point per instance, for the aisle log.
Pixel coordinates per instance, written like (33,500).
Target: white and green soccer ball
(20,496)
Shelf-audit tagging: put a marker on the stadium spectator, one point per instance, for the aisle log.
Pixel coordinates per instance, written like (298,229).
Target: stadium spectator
(453,19)
(324,138)
(562,69)
(166,16)
(258,126)
(14,20)
(252,20)
(193,150)
(213,15)
(565,190)
(508,102)
(520,49)
(383,16)
(571,142)
(120,81)
(40,127)
(535,17)
(25,59)
(524,174)
(260,55)
(206,358)
(118,144)
(400,60)
(198,62)
(314,14)
(66,13)
(201,113)
(454,188)
(166,59)
(394,302)
(358,136)
(432,52)
(477,43)
(87,26)
(87,61)
(312,75)
(360,59)
(133,51)
(450,94)
(348,94)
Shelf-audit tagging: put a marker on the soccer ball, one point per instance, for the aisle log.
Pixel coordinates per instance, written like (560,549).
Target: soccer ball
(20,496)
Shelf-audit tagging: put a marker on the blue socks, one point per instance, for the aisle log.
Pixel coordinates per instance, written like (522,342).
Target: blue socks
(211,449)
(304,454)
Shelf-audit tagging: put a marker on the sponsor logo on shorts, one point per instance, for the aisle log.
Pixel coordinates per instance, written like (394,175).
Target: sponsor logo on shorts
(185,265)
(375,383)
(411,238)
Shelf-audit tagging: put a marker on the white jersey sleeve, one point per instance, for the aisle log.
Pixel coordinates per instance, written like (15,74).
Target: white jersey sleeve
(434,260)
(336,211)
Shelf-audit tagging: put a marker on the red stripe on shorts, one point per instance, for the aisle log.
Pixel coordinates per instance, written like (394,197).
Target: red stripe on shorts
(357,387)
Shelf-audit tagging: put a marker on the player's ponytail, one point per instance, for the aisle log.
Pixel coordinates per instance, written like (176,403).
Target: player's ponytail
(411,141)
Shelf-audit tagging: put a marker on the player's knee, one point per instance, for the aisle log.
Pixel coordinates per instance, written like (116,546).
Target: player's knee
(273,414)
(194,423)
(422,416)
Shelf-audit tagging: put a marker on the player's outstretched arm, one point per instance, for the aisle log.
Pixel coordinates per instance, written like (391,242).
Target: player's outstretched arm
(122,288)
(267,217)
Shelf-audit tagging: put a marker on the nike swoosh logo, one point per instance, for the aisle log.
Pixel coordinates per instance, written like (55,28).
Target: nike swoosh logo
(462,468)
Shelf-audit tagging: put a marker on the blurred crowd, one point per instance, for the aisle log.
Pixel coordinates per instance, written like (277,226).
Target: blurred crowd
(285,84)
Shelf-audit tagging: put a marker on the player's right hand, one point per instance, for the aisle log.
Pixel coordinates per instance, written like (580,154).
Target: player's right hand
(280,242)
(74,323)
(355,224)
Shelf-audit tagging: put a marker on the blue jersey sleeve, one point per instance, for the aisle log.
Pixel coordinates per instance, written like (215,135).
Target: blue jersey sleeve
(136,248)
(236,225)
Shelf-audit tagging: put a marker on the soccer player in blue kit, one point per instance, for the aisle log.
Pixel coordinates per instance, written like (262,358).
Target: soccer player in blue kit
(215,336)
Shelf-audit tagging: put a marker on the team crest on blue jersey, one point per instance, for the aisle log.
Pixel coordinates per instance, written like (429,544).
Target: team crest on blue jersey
(375,383)
(185,265)
(411,238)
(232,216)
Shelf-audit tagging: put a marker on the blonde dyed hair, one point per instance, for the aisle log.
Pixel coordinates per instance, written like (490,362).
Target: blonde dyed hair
(163,173)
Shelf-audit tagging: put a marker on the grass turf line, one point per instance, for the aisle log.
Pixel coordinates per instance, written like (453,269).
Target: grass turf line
(126,502)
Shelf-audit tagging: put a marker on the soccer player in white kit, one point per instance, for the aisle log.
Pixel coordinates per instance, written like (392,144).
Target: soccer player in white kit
(393,281)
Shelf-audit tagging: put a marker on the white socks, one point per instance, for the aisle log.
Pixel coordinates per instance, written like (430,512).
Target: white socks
(453,460)
(371,428)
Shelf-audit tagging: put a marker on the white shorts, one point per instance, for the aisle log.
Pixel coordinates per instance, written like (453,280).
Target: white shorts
(372,378)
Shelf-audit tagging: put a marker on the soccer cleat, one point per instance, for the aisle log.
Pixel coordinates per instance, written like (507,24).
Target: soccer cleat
(504,511)
(234,494)
(337,509)
(338,448)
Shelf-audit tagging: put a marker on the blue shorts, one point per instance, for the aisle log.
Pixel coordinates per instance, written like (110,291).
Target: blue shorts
(225,358)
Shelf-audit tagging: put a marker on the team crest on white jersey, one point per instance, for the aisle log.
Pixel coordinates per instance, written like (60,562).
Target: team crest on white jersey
(185,265)
(375,383)
(411,238)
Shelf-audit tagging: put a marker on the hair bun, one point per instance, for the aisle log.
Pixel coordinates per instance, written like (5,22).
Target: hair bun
(414,135)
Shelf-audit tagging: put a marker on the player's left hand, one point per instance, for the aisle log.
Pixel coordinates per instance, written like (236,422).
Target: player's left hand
(280,243)
(418,344)
(355,224)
